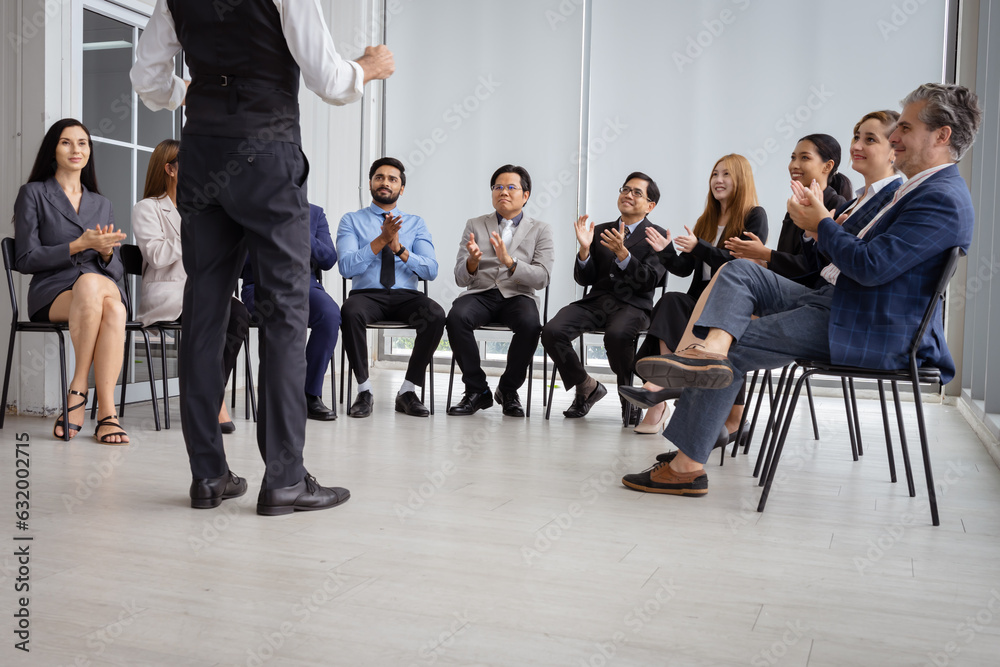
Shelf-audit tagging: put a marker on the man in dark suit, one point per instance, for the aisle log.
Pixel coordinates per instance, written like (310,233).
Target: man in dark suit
(324,315)
(242,187)
(879,283)
(503,258)
(622,270)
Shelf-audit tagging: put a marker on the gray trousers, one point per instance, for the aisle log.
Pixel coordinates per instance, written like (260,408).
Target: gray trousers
(233,199)
(793,324)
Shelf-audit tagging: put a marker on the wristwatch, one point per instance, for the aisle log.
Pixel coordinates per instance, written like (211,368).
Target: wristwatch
(399,253)
(513,264)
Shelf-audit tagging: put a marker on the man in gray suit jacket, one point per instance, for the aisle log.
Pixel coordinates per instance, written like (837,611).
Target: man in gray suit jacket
(503,258)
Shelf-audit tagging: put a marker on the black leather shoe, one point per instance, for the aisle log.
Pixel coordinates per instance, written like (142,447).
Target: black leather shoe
(471,403)
(409,404)
(644,398)
(582,404)
(511,403)
(315,409)
(362,406)
(227,427)
(209,493)
(305,496)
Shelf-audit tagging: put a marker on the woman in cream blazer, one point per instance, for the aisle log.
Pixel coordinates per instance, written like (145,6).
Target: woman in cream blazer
(157,227)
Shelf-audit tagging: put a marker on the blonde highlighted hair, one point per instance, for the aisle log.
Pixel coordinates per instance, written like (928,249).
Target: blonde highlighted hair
(743,200)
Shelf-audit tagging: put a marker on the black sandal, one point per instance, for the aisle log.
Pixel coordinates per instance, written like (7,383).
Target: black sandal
(72,427)
(103,439)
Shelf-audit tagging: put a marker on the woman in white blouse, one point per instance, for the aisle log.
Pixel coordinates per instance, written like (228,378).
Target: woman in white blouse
(157,227)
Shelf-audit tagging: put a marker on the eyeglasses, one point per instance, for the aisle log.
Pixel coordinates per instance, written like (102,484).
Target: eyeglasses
(508,188)
(636,192)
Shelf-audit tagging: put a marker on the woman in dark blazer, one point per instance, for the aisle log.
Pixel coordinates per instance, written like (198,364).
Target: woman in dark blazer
(64,234)
(731,211)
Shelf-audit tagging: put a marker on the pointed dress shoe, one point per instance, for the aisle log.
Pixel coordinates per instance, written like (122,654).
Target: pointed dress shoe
(471,403)
(644,398)
(582,404)
(409,404)
(227,427)
(362,406)
(511,403)
(208,493)
(306,496)
(725,438)
(316,409)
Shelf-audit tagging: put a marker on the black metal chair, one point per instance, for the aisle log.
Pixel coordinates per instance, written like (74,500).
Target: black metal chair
(915,375)
(496,326)
(17,326)
(382,324)
(583,357)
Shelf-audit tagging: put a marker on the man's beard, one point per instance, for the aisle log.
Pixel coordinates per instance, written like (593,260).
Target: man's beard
(385,199)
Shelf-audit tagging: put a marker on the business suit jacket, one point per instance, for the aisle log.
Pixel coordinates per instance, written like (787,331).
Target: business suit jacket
(859,219)
(888,277)
(685,263)
(44,226)
(636,283)
(157,228)
(532,246)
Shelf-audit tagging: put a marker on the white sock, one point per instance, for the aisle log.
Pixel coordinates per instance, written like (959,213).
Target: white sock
(365,386)
(407,386)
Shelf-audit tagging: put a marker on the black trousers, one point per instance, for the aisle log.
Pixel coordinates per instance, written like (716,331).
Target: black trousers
(419,311)
(620,322)
(237,196)
(518,313)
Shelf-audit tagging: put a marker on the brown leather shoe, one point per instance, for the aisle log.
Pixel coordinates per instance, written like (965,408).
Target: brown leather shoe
(691,367)
(664,479)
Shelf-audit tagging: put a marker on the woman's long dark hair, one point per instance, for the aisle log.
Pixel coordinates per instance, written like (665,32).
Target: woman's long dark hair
(45,162)
(829,149)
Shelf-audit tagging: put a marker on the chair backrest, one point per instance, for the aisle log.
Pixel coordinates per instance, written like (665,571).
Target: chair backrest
(7,246)
(132,261)
(947,272)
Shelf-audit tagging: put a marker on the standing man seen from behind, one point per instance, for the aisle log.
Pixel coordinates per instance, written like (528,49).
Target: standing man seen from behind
(503,258)
(622,270)
(385,252)
(242,187)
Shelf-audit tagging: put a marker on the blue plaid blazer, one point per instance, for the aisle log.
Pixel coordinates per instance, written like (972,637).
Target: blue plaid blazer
(889,276)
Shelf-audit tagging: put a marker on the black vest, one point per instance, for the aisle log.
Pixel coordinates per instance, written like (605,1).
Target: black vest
(244,81)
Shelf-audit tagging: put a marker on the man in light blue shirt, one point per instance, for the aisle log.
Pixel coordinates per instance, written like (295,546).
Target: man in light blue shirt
(385,252)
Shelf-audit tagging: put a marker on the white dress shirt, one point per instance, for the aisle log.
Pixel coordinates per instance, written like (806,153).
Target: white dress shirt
(324,71)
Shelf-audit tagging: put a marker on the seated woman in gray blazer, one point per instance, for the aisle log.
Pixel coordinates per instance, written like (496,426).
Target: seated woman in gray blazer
(157,228)
(64,234)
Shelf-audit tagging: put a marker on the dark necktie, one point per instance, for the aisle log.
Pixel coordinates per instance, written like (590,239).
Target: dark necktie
(628,233)
(387,276)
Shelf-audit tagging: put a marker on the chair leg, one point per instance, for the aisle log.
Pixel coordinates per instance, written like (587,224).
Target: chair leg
(740,432)
(888,435)
(531,372)
(451,384)
(250,391)
(784,388)
(857,420)
(772,420)
(333,382)
(812,410)
(765,381)
(166,389)
(344,369)
(430,372)
(350,377)
(152,379)
(545,377)
(64,385)
(125,373)
(6,379)
(551,388)
(773,466)
(850,422)
(902,441)
(924,449)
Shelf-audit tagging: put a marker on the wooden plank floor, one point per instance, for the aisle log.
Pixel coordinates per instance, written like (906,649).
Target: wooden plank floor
(495,541)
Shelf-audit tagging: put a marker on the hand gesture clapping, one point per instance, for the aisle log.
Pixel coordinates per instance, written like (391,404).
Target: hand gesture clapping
(656,240)
(687,242)
(584,235)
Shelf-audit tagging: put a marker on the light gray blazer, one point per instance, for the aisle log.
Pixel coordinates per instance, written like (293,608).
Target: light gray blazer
(157,228)
(44,225)
(532,246)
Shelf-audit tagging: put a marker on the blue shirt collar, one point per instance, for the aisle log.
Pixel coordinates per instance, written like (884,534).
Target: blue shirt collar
(380,212)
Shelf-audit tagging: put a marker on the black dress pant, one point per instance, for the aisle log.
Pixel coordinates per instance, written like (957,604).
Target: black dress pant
(237,196)
(420,312)
(620,322)
(517,313)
